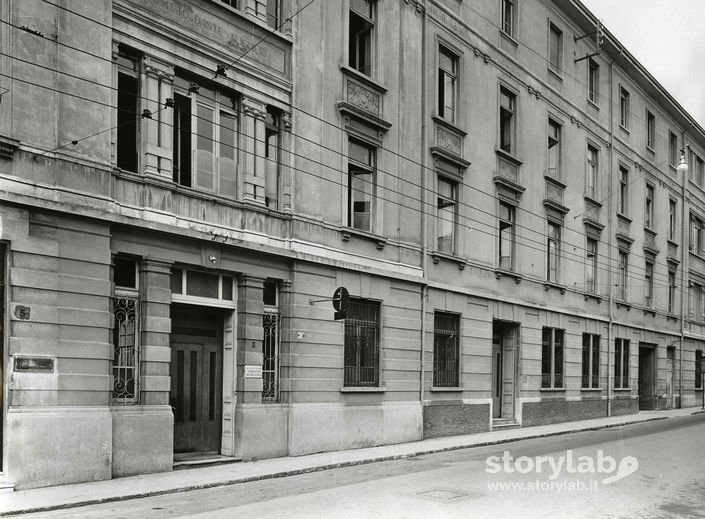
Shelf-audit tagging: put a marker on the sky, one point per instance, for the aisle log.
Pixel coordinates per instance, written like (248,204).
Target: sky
(667,38)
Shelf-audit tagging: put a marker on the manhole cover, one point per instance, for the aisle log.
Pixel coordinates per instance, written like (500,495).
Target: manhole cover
(443,494)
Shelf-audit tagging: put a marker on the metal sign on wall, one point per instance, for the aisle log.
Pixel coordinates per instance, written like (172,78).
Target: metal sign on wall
(34,364)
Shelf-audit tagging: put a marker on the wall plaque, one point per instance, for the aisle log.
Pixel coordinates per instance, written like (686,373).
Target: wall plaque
(253,371)
(34,364)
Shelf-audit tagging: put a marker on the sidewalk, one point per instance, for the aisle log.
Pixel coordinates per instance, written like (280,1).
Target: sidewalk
(67,496)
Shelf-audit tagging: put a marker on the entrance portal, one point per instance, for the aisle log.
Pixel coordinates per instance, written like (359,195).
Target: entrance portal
(647,376)
(504,347)
(196,379)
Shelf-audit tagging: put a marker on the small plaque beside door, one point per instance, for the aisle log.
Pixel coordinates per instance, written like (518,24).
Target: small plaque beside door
(34,364)
(252,371)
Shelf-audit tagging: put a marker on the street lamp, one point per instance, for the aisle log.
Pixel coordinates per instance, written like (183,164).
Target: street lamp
(683,165)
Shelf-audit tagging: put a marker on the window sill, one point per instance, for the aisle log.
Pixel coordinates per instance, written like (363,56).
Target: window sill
(449,124)
(624,129)
(362,389)
(555,72)
(672,243)
(8,147)
(593,104)
(622,389)
(624,304)
(499,272)
(591,389)
(508,156)
(349,232)
(547,285)
(650,150)
(552,389)
(672,317)
(592,200)
(650,311)
(508,37)
(438,256)
(592,295)
(367,80)
(435,389)
(624,217)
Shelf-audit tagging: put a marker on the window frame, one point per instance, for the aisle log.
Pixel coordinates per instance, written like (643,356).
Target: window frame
(695,242)
(447,201)
(555,35)
(507,120)
(272,180)
(128,127)
(624,107)
(698,370)
(366,35)
(126,302)
(510,225)
(623,200)
(271,342)
(445,339)
(508,17)
(673,154)
(621,363)
(552,344)
(622,274)
(649,283)
(453,77)
(650,130)
(590,370)
(591,259)
(671,291)
(593,81)
(649,201)
(592,173)
(555,133)
(274,14)
(352,374)
(553,251)
(356,167)
(672,218)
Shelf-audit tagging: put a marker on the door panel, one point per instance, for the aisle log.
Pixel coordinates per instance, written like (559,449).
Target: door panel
(508,354)
(647,373)
(196,390)
(496,377)
(670,404)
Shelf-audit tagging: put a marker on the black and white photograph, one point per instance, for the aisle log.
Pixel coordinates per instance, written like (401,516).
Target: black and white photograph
(395,259)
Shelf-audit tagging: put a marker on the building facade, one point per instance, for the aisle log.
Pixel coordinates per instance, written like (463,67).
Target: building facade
(186,184)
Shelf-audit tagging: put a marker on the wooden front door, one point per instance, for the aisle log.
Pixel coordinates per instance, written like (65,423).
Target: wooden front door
(497,375)
(647,378)
(196,394)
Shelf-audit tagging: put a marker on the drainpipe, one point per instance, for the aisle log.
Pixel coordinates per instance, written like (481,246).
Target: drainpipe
(424,218)
(610,230)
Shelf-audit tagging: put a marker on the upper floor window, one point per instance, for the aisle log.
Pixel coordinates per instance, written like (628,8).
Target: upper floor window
(361,34)
(592,171)
(624,108)
(672,218)
(128,105)
(555,48)
(274,13)
(696,168)
(649,207)
(361,185)
(272,157)
(591,266)
(593,81)
(696,234)
(205,138)
(447,87)
(554,148)
(649,284)
(507,107)
(447,214)
(671,291)
(508,16)
(650,130)
(507,236)
(623,275)
(553,252)
(232,3)
(623,201)
(673,149)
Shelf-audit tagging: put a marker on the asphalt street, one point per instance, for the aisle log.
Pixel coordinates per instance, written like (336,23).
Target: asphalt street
(647,470)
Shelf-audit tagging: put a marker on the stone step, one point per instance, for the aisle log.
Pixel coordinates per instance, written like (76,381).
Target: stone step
(6,487)
(205,461)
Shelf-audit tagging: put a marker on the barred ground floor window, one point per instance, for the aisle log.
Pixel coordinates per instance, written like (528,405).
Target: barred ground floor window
(446,349)
(125,349)
(361,356)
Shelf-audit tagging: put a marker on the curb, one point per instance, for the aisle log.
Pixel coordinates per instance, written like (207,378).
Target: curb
(320,468)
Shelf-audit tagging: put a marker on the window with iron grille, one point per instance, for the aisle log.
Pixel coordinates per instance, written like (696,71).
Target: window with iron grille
(621,363)
(446,349)
(591,361)
(125,349)
(552,358)
(361,357)
(270,346)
